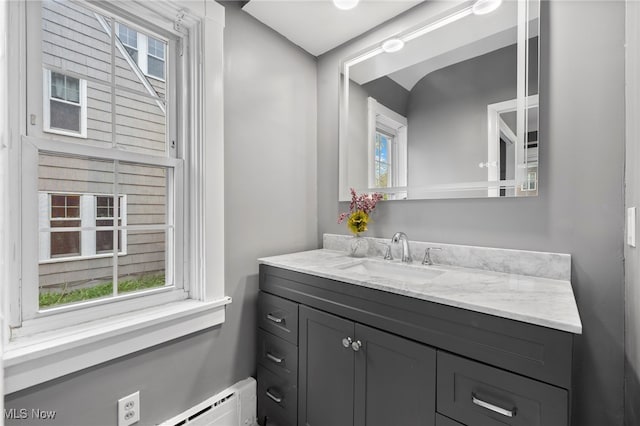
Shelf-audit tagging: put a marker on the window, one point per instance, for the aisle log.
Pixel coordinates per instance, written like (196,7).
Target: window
(382,159)
(65,104)
(136,153)
(145,50)
(387,150)
(80,226)
(65,213)
(109,206)
(105,215)
(155,60)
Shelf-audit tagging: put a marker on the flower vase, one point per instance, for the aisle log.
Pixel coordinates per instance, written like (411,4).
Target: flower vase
(359,246)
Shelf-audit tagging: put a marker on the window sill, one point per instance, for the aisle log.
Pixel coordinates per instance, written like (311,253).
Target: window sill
(32,360)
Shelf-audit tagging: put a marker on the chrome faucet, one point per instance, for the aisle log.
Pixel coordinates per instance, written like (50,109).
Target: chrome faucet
(406,253)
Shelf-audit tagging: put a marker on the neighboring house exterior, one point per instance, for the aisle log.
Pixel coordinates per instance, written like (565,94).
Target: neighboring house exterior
(78,192)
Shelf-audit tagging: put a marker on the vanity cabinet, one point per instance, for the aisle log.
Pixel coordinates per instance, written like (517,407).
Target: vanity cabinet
(350,355)
(351,374)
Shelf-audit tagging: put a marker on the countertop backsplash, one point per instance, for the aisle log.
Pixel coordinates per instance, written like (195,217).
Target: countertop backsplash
(556,266)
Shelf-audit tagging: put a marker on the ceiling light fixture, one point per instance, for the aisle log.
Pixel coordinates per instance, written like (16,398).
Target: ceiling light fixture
(392,45)
(345,4)
(482,7)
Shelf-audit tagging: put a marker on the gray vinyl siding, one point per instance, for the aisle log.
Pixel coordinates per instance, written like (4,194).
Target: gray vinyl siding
(74,40)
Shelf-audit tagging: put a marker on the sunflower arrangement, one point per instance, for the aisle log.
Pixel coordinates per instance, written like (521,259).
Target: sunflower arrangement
(360,210)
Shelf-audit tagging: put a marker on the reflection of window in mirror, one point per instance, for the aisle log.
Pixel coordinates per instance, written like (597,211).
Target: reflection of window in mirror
(387,147)
(382,159)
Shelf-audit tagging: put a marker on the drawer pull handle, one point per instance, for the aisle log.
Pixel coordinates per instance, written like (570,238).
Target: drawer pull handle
(491,407)
(275,319)
(274,358)
(276,398)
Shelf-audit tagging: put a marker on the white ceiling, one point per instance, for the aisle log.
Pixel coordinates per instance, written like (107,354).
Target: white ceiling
(318,26)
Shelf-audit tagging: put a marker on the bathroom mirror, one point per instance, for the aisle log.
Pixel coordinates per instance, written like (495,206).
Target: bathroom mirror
(447,109)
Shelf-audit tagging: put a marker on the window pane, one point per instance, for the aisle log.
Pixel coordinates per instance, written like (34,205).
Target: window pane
(72,89)
(99,119)
(156,47)
(128,36)
(140,124)
(75,39)
(65,87)
(156,67)
(146,193)
(64,283)
(144,266)
(65,244)
(57,85)
(65,116)
(104,239)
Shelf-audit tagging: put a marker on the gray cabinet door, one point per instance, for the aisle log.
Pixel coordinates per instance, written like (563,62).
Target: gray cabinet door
(326,370)
(395,381)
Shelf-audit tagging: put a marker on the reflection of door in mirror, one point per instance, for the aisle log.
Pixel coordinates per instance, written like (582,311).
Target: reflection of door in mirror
(502,146)
(387,136)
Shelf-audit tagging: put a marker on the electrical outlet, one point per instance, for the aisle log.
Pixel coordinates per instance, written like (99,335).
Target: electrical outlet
(129,409)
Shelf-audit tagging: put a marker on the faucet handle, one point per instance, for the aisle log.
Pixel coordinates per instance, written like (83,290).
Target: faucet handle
(427,255)
(387,251)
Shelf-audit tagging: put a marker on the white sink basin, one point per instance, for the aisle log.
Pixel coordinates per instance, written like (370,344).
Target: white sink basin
(393,271)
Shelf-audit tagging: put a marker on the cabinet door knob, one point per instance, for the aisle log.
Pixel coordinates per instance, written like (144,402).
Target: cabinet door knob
(346,342)
(356,345)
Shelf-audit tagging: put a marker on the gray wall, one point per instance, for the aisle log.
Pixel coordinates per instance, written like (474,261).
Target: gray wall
(270,208)
(448,117)
(580,206)
(632,255)
(388,93)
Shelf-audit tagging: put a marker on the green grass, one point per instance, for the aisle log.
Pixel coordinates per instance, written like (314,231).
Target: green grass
(50,299)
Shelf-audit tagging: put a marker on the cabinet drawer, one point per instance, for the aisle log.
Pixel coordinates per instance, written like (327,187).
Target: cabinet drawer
(278,316)
(277,396)
(478,395)
(278,355)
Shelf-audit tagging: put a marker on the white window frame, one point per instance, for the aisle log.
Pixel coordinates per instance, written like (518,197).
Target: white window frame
(46,107)
(87,229)
(32,318)
(382,118)
(71,339)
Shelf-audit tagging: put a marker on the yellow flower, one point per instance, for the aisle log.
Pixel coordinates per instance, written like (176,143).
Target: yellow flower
(358,221)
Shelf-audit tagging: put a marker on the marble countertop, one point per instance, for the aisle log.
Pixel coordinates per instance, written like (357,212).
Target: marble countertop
(540,301)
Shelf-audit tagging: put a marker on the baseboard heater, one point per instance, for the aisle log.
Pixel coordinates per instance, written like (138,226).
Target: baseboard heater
(235,406)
